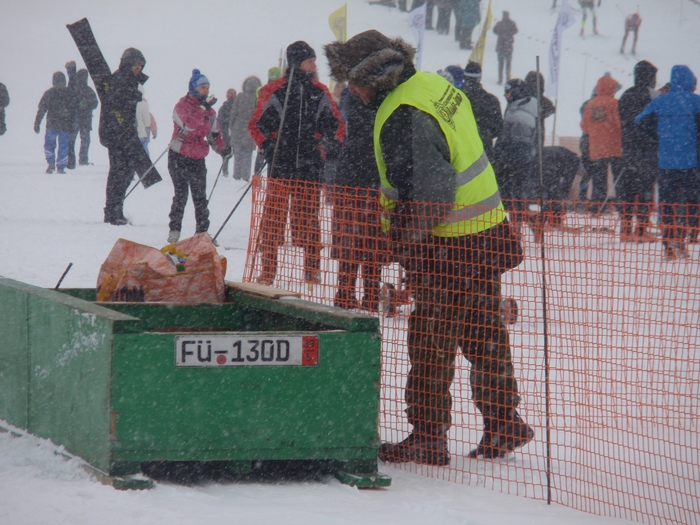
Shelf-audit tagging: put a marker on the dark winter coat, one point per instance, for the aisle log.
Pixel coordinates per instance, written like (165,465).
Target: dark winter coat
(241,112)
(638,144)
(467,13)
(487,112)
(118,115)
(312,131)
(4,102)
(506,31)
(57,105)
(418,162)
(357,165)
(548,107)
(677,114)
(223,116)
(85,99)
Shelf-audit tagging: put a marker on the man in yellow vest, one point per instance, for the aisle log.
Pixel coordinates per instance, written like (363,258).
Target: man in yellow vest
(448,229)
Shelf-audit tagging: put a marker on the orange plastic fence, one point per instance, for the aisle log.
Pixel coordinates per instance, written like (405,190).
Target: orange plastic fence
(602,326)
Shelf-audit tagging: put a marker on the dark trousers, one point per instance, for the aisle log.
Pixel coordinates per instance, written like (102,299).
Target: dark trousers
(504,61)
(84,147)
(443,20)
(121,173)
(188,175)
(679,196)
(598,172)
(636,191)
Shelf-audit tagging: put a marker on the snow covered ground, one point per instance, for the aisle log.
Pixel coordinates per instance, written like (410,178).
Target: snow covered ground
(47,221)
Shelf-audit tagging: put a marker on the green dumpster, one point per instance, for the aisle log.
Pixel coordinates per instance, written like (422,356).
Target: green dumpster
(263,376)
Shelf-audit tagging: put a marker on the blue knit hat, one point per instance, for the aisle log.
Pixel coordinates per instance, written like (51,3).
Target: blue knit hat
(197,80)
(457,75)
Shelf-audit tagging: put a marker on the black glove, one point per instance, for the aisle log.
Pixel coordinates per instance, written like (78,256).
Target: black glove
(227,152)
(37,128)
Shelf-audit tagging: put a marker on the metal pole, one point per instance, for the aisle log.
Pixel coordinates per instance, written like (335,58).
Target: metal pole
(217,179)
(62,276)
(544,294)
(233,210)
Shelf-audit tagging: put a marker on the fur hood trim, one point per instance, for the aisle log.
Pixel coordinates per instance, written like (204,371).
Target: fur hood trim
(380,69)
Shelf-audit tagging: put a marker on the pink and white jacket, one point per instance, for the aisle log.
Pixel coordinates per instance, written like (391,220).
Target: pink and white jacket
(195,129)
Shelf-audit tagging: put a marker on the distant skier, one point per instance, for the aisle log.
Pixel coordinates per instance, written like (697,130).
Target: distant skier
(632,23)
(57,104)
(586,6)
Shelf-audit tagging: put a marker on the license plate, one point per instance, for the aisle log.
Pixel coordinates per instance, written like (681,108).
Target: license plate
(246,350)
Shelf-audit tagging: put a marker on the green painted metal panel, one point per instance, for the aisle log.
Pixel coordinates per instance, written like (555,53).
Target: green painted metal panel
(328,411)
(14,357)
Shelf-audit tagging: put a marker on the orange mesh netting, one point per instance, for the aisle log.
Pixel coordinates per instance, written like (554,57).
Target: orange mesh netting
(592,338)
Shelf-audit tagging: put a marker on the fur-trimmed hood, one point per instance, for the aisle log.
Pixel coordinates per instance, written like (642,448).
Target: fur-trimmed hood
(370,60)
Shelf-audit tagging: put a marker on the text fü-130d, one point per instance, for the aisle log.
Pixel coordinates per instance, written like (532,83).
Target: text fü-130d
(208,350)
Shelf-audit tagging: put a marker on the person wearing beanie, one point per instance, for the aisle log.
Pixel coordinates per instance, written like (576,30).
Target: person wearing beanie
(241,141)
(448,229)
(486,107)
(506,30)
(223,116)
(639,155)
(195,131)
(547,107)
(297,127)
(677,114)
(57,104)
(118,132)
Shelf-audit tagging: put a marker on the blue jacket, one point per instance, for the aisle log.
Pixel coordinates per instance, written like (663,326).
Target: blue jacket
(676,113)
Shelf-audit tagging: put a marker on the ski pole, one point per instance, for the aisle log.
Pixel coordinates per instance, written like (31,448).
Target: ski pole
(62,276)
(233,210)
(614,186)
(217,178)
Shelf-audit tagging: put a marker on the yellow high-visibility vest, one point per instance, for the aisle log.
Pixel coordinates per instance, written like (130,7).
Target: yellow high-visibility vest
(477,205)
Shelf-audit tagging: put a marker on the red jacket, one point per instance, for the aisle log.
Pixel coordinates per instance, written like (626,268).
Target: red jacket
(601,122)
(195,129)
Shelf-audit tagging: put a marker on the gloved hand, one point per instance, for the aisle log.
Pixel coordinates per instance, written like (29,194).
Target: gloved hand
(227,152)
(209,102)
(268,150)
(37,128)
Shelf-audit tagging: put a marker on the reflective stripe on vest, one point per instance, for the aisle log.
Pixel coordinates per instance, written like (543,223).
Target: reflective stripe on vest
(477,206)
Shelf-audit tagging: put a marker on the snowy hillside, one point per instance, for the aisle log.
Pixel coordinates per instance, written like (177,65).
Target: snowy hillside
(47,221)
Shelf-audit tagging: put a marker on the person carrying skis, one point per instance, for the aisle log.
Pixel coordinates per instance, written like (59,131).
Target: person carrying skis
(448,229)
(119,134)
(195,131)
(297,126)
(57,105)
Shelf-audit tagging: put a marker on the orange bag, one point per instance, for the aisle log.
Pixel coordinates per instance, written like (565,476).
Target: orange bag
(193,272)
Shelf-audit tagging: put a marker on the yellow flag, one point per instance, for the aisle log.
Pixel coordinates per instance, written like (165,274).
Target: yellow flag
(339,23)
(478,51)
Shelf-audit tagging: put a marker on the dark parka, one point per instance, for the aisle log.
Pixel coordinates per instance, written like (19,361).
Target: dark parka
(57,105)
(636,143)
(312,128)
(85,100)
(487,112)
(118,115)
(357,165)
(506,31)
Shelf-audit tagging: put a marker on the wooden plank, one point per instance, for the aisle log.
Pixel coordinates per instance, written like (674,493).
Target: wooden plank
(259,289)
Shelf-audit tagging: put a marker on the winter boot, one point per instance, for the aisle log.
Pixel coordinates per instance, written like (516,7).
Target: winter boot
(427,444)
(173,236)
(502,434)
(51,168)
(115,216)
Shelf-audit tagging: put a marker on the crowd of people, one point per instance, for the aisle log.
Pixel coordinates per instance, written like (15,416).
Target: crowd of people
(427,171)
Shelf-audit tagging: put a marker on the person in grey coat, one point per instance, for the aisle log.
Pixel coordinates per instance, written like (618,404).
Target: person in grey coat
(241,141)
